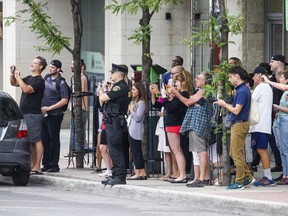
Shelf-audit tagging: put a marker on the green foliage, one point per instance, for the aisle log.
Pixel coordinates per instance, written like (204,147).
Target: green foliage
(130,7)
(141,35)
(219,83)
(41,24)
(225,135)
(133,6)
(236,24)
(212,32)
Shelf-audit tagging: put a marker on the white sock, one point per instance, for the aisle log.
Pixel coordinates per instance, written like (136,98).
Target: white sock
(267,173)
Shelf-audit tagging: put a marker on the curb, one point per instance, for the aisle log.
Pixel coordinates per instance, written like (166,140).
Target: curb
(215,203)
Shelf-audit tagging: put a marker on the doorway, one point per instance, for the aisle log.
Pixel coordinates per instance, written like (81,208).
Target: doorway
(274,36)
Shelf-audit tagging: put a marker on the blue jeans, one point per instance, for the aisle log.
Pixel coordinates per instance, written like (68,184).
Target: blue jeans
(281,136)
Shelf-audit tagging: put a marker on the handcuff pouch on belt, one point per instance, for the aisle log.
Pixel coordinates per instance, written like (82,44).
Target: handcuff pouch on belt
(122,121)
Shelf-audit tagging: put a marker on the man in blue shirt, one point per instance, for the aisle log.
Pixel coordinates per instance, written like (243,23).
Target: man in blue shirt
(239,129)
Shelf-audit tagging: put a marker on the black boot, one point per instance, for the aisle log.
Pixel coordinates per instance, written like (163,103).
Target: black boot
(105,182)
(117,180)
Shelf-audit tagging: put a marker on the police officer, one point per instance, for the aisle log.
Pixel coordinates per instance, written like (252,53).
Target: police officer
(115,104)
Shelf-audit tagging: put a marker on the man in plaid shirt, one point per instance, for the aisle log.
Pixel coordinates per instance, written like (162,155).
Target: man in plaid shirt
(197,124)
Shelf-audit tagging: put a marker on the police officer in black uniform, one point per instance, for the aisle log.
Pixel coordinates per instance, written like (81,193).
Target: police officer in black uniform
(115,104)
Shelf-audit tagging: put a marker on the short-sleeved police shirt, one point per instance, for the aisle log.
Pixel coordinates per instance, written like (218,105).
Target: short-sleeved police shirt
(119,95)
(31,103)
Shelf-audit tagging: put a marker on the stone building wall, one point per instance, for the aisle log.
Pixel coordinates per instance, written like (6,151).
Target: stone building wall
(249,46)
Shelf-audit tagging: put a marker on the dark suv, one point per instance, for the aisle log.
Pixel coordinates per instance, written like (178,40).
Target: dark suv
(14,145)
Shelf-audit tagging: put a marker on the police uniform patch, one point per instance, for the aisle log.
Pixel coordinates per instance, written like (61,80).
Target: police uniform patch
(116,88)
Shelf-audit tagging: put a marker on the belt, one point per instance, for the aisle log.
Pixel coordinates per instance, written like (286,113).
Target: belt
(239,121)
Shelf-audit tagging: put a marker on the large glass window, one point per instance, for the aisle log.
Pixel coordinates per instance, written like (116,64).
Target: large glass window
(274,32)
(93,44)
(276,37)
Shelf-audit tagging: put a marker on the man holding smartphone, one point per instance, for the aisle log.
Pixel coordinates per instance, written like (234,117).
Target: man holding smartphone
(32,87)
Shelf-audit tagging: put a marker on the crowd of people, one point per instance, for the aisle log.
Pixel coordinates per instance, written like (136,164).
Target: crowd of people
(185,113)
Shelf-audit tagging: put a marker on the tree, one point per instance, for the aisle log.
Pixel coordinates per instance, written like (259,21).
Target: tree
(216,34)
(44,28)
(142,35)
(218,27)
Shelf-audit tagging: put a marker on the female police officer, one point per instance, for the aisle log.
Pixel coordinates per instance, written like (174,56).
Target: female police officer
(115,103)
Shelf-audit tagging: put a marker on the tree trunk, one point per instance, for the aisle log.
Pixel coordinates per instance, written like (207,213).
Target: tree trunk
(146,68)
(224,56)
(224,31)
(77,24)
(146,55)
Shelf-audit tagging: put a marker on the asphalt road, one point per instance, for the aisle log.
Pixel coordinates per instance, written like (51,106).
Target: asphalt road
(38,200)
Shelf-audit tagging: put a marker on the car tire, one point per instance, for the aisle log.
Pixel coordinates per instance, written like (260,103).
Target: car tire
(21,178)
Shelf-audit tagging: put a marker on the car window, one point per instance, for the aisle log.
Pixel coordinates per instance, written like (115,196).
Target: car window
(9,110)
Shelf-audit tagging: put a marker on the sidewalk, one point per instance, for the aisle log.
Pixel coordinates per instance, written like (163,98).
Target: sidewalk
(252,200)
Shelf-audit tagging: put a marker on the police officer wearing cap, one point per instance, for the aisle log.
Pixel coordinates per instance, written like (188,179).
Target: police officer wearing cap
(115,104)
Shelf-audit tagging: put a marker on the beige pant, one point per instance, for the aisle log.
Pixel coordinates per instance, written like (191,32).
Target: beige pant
(239,132)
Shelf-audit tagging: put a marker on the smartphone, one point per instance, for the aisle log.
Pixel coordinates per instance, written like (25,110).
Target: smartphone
(13,69)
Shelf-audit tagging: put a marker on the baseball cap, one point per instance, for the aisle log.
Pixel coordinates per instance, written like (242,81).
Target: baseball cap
(279,58)
(57,64)
(260,70)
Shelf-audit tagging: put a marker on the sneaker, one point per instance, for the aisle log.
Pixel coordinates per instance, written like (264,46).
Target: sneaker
(98,170)
(207,182)
(117,181)
(198,183)
(249,182)
(107,173)
(53,169)
(235,186)
(191,183)
(283,181)
(265,182)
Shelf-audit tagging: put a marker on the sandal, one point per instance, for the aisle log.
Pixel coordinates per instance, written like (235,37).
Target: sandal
(166,178)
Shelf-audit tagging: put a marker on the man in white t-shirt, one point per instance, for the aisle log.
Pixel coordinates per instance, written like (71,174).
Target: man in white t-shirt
(260,132)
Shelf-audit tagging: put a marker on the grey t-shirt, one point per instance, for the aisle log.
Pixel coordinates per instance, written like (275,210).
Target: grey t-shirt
(52,95)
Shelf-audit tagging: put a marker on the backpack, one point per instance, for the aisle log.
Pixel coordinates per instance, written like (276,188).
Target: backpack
(58,81)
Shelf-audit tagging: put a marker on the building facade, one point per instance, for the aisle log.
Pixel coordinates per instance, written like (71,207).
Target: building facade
(105,36)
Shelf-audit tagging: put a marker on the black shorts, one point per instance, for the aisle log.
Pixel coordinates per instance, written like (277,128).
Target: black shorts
(103,138)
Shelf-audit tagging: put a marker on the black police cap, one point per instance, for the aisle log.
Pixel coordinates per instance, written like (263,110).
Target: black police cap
(119,68)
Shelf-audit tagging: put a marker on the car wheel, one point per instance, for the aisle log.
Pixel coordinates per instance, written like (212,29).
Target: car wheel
(21,178)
